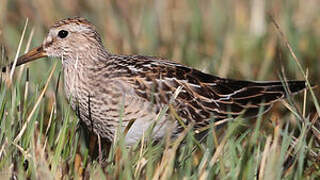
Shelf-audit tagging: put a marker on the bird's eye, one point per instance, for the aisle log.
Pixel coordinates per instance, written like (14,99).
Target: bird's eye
(63,33)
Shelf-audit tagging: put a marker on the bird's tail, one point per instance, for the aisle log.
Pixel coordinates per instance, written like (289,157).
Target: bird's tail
(285,87)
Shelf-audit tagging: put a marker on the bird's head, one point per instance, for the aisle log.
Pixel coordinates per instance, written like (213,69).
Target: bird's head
(67,39)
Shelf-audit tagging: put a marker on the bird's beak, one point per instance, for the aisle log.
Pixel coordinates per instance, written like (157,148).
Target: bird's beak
(32,55)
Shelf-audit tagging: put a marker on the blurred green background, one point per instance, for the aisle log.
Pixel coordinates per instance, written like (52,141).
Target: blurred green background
(229,38)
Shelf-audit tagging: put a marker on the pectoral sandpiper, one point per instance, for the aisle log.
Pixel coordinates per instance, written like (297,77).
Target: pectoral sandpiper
(106,89)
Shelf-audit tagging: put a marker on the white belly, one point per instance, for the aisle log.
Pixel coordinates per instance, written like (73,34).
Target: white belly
(141,129)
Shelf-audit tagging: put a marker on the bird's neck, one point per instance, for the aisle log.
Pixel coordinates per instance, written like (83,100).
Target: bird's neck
(85,57)
(80,72)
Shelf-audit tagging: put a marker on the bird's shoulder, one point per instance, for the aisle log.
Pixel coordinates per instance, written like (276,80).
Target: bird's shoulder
(159,68)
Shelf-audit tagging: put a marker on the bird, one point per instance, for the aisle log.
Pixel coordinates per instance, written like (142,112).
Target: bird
(109,92)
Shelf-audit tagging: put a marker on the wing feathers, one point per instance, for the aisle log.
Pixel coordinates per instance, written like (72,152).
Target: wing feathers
(204,96)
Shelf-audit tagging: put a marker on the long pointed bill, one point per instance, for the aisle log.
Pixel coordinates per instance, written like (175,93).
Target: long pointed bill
(32,55)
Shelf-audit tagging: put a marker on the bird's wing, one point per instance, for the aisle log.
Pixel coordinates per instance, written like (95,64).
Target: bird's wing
(203,96)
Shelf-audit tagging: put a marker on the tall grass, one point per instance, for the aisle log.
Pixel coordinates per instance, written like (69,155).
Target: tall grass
(40,136)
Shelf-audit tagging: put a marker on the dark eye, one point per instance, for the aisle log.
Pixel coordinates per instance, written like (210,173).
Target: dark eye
(63,33)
